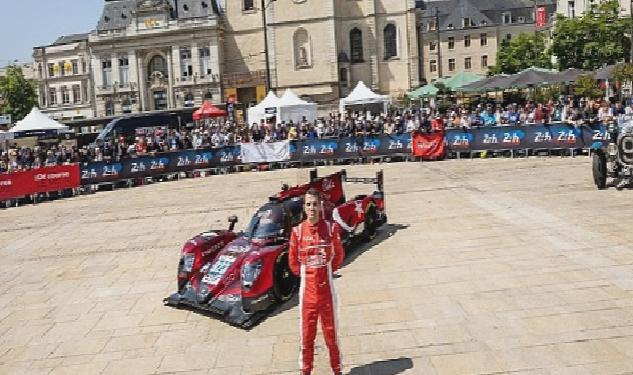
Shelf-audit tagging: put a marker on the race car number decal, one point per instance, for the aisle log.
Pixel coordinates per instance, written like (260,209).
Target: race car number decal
(218,269)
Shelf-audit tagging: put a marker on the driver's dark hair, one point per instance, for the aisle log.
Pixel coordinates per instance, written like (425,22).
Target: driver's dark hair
(315,193)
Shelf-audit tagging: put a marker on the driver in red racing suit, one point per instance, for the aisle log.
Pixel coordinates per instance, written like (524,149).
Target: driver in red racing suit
(315,252)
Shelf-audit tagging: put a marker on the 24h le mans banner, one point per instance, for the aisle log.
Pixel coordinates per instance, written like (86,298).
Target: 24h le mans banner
(429,146)
(40,180)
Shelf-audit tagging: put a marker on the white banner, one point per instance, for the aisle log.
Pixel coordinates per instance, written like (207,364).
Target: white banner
(265,152)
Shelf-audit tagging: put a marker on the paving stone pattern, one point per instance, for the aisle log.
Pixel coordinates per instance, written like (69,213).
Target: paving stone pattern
(487,267)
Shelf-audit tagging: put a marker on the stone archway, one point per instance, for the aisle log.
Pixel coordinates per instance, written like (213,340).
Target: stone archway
(157,82)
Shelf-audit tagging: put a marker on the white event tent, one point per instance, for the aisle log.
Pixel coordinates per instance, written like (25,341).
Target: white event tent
(363,96)
(292,108)
(258,113)
(36,123)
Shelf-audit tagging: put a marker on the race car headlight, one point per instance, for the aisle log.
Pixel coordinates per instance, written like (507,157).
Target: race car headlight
(250,273)
(188,262)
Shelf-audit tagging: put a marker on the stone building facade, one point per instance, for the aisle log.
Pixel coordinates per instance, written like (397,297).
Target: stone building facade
(62,71)
(147,55)
(470,33)
(575,8)
(152,55)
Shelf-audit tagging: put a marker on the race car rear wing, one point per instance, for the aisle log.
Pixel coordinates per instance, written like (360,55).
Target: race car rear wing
(378,180)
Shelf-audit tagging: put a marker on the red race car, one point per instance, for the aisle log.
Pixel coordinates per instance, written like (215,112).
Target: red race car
(240,276)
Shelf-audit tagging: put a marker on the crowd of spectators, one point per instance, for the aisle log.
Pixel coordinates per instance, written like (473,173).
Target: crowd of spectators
(218,133)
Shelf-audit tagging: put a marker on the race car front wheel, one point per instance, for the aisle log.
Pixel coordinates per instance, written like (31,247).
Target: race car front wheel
(284,281)
(600,169)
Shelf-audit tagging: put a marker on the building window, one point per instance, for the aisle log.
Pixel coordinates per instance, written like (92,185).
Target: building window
(343,77)
(391,44)
(65,95)
(451,65)
(76,94)
(466,22)
(64,67)
(189,100)
(83,67)
(432,25)
(106,66)
(126,106)
(52,96)
(521,19)
(356,45)
(51,70)
(75,64)
(467,41)
(468,63)
(301,44)
(433,66)
(109,108)
(124,65)
(186,68)
(205,61)
(484,61)
(507,18)
(508,37)
(432,46)
(248,4)
(451,42)
(483,39)
(571,9)
(157,64)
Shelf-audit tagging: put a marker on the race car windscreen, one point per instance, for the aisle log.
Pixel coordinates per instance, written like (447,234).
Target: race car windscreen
(266,223)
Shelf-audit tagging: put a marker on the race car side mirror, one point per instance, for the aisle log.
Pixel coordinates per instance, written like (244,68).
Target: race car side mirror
(232,222)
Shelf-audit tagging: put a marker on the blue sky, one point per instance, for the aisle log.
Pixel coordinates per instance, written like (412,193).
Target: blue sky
(25,24)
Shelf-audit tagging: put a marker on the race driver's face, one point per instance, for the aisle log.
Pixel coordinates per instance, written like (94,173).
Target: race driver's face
(312,207)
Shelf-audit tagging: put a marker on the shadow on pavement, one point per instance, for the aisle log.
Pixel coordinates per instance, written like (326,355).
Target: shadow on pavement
(387,367)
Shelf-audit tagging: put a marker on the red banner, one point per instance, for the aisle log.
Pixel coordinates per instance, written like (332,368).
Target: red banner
(429,146)
(541,17)
(41,180)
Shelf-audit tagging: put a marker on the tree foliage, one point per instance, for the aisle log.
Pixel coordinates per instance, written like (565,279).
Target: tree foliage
(596,39)
(587,86)
(19,95)
(520,53)
(623,72)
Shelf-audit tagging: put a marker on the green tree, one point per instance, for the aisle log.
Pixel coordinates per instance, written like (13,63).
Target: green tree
(596,39)
(19,94)
(522,52)
(623,72)
(587,86)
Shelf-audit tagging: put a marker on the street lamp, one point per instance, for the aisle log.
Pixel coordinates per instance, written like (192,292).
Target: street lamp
(439,41)
(265,24)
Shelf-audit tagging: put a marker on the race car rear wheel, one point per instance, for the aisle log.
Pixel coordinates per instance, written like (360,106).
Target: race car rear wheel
(284,281)
(600,169)
(370,223)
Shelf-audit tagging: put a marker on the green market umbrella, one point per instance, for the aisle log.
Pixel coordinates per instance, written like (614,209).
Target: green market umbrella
(461,79)
(424,92)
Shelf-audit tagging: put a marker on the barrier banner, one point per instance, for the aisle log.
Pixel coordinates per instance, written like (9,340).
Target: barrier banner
(317,149)
(145,166)
(595,135)
(429,145)
(189,160)
(226,156)
(394,144)
(40,180)
(265,152)
(354,147)
(100,171)
(553,136)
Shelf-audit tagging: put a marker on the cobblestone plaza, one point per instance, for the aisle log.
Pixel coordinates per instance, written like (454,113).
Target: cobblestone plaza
(487,266)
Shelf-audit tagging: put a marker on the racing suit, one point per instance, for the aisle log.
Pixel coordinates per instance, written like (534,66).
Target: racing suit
(315,252)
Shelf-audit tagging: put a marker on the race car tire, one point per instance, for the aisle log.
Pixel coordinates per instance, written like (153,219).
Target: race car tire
(370,223)
(284,281)
(599,166)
